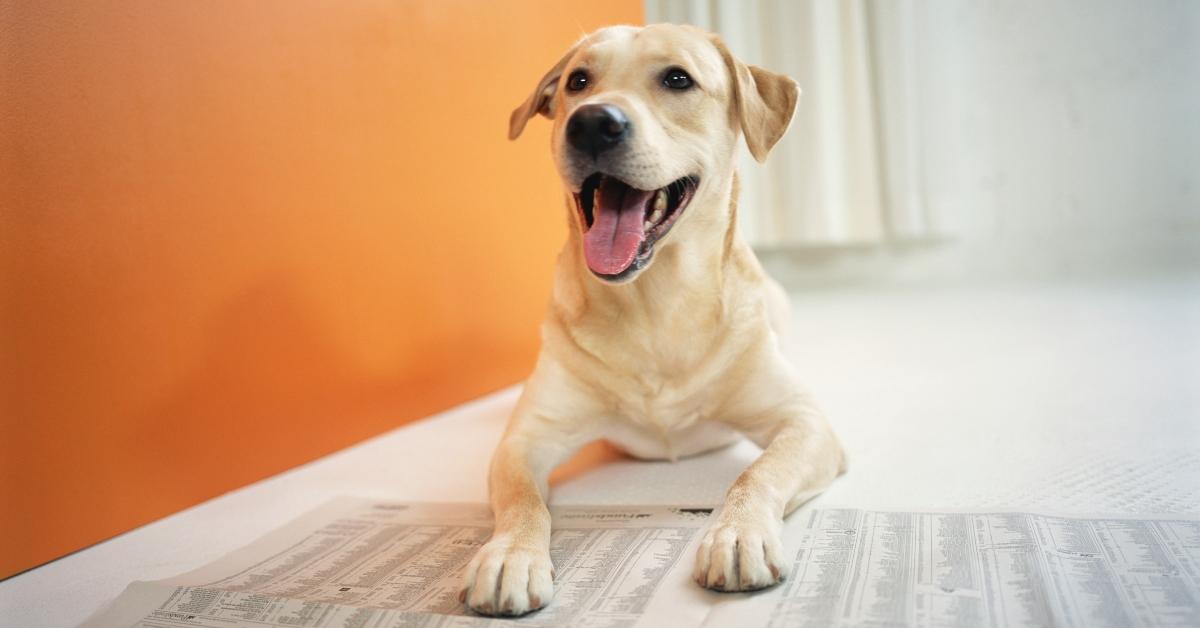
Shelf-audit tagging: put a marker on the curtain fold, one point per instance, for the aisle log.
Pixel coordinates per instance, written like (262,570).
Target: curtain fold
(849,170)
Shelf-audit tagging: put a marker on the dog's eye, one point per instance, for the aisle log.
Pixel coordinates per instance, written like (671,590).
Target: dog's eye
(677,79)
(577,81)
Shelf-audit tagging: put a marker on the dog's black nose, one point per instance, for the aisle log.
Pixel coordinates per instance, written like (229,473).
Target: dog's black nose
(594,129)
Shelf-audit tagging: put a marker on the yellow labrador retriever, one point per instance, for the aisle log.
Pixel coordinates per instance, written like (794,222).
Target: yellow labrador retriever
(659,334)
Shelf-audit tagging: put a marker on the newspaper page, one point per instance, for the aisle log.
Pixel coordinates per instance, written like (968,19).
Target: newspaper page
(866,568)
(1167,480)
(369,564)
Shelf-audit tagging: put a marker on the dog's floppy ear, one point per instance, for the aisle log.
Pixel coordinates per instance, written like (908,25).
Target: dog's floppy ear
(539,100)
(765,102)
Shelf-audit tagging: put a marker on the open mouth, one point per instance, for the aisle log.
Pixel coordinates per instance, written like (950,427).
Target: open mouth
(622,223)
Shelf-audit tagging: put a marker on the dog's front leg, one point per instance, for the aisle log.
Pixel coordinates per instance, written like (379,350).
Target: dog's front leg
(742,551)
(512,573)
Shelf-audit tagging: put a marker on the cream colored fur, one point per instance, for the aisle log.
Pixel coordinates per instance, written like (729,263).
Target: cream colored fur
(678,360)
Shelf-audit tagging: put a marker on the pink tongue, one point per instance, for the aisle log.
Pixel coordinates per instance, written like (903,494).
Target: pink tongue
(611,244)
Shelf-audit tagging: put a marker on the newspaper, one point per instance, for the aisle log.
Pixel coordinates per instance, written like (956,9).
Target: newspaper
(1137,481)
(358,563)
(867,568)
(369,564)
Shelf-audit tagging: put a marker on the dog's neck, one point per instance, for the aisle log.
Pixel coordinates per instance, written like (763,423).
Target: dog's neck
(687,277)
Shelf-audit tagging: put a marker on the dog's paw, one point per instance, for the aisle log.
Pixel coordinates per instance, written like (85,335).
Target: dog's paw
(508,579)
(740,556)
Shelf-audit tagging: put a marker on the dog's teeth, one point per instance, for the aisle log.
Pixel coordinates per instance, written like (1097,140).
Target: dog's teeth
(646,225)
(660,201)
(656,216)
(595,198)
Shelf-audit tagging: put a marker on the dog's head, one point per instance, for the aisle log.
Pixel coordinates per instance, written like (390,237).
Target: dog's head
(646,120)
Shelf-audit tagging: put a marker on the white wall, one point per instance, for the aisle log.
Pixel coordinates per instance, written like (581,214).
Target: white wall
(1061,137)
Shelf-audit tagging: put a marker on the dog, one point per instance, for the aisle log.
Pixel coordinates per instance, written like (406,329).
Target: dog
(660,335)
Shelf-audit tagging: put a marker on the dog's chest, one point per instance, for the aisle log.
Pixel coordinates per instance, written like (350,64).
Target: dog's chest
(668,377)
(644,441)
(663,420)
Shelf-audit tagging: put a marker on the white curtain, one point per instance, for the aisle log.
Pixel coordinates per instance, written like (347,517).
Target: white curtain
(850,170)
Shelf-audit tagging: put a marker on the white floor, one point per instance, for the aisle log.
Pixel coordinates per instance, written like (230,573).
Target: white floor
(1059,396)
(982,398)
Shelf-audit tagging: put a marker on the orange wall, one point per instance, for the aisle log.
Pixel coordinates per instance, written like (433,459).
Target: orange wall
(236,236)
